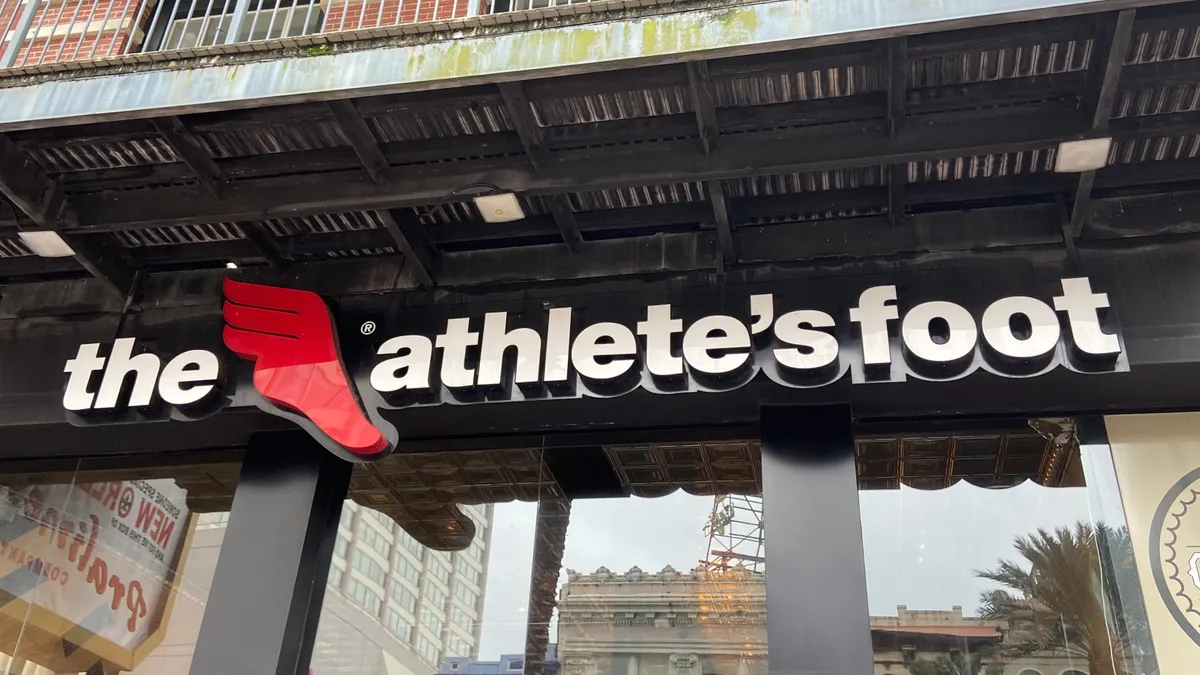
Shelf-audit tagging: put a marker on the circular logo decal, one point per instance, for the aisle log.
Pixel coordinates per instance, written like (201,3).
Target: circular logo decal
(1175,552)
(125,506)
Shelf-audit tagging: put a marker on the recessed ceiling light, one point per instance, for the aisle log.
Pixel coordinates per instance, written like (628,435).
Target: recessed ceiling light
(231,265)
(46,244)
(1080,156)
(499,208)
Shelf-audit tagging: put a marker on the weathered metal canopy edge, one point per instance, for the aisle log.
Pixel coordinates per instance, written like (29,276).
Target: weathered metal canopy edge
(706,33)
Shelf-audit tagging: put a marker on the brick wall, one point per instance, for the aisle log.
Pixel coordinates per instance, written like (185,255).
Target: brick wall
(71,30)
(394,12)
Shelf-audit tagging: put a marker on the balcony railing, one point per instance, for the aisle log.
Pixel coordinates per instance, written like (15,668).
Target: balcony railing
(64,31)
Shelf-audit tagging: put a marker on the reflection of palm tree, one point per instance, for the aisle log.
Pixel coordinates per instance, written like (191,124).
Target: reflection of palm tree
(956,664)
(1080,597)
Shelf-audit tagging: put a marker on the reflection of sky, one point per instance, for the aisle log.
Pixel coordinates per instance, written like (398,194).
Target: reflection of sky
(922,547)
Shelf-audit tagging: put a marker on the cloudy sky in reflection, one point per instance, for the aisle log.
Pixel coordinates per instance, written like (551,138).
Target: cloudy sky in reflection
(922,547)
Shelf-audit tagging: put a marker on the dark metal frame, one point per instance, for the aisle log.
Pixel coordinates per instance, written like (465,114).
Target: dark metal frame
(817,616)
(265,602)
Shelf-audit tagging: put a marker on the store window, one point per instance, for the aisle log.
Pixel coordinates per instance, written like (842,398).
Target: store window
(999,550)
(1157,461)
(657,582)
(105,569)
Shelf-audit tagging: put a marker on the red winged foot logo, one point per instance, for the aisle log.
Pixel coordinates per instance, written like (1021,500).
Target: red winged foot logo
(289,335)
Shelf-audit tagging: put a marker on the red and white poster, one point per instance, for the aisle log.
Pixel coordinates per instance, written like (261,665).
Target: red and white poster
(99,555)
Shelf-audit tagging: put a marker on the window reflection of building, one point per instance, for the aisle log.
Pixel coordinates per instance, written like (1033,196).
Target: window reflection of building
(714,623)
(426,602)
(388,608)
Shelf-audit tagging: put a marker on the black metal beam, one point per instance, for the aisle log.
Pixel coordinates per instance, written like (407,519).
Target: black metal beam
(897,111)
(835,146)
(564,218)
(1104,78)
(720,209)
(549,544)
(262,613)
(1031,232)
(25,183)
(410,239)
(520,113)
(188,148)
(264,242)
(704,104)
(817,603)
(355,130)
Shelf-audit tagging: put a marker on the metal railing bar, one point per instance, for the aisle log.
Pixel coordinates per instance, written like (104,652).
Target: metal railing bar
(62,46)
(271,26)
(8,54)
(150,31)
(253,22)
(187,24)
(208,15)
(87,27)
(41,19)
(312,4)
(103,25)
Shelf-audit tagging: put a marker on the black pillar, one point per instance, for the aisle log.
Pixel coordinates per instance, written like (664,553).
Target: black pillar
(818,622)
(265,602)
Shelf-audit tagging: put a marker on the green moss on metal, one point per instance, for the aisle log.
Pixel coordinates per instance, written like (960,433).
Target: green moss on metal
(546,37)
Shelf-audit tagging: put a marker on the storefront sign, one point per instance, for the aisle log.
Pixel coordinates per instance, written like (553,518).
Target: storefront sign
(301,372)
(1157,459)
(98,558)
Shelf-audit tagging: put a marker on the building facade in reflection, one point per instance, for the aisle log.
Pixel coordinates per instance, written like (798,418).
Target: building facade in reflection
(704,622)
(393,607)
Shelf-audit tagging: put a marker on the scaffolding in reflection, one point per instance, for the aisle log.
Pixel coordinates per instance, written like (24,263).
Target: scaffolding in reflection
(735,534)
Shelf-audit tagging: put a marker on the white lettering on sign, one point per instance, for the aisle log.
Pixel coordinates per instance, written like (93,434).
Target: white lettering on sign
(1015,335)
(187,379)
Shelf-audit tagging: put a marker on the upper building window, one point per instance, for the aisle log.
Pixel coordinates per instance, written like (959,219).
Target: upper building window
(186,24)
(373,538)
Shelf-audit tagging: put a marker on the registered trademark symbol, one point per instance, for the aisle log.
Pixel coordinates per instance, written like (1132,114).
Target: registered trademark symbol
(368,328)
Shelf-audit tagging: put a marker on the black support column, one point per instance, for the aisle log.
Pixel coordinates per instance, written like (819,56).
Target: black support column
(817,617)
(265,602)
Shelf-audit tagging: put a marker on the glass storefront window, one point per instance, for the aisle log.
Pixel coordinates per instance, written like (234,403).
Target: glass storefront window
(622,586)
(108,570)
(999,553)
